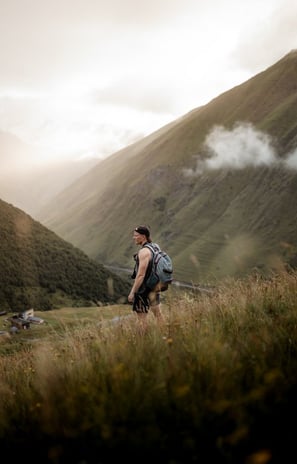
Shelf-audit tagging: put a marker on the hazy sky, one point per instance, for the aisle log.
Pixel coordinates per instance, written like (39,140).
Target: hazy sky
(87,77)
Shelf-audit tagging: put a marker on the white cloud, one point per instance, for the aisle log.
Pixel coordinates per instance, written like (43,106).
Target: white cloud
(93,75)
(242,146)
(238,148)
(291,160)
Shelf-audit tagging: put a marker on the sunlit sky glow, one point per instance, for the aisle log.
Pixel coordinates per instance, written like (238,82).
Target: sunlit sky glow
(87,77)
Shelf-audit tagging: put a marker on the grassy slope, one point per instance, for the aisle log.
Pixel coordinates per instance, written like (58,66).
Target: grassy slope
(215,383)
(41,270)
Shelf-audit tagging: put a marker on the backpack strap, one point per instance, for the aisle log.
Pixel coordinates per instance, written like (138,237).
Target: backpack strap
(154,247)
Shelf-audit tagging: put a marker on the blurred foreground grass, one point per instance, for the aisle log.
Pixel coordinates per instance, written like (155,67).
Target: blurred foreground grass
(216,382)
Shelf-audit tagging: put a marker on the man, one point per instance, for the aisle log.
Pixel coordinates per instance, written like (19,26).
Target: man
(141,296)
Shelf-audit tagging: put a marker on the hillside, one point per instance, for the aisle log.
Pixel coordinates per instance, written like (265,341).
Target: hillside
(216,186)
(41,270)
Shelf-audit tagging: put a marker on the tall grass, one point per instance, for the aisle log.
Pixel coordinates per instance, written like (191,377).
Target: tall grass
(215,382)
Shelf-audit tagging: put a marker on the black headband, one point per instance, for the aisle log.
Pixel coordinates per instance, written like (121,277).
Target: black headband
(142,230)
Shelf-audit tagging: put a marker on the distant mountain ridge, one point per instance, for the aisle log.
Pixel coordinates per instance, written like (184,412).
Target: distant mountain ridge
(40,270)
(214,222)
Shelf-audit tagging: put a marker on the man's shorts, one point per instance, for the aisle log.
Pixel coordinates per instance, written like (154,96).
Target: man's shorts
(143,299)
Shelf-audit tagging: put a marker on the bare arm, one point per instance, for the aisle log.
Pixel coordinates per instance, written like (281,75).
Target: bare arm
(144,256)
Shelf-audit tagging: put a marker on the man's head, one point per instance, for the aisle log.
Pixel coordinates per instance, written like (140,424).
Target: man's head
(141,233)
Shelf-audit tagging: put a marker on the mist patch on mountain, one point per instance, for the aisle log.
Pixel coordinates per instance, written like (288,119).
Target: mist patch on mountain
(238,148)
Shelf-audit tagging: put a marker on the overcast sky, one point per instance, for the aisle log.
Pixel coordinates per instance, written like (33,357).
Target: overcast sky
(88,77)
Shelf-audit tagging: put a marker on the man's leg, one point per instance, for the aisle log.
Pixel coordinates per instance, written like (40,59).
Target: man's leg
(155,303)
(141,306)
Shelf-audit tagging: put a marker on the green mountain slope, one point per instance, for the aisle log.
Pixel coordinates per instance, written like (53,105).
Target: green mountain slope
(214,222)
(41,270)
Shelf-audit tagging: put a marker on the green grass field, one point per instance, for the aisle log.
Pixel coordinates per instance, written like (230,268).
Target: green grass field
(214,382)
